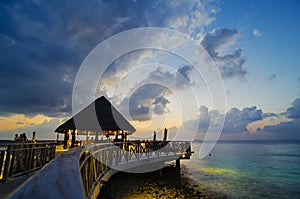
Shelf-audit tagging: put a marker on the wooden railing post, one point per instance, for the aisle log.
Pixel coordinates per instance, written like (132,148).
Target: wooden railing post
(23,158)
(6,164)
(103,159)
(2,153)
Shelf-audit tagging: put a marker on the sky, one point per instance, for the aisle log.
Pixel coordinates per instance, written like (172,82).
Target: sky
(247,86)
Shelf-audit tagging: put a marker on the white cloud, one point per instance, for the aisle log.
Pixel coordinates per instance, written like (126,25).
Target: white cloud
(256,33)
(217,42)
(294,111)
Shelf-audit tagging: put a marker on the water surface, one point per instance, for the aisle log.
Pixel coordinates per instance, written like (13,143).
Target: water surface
(249,169)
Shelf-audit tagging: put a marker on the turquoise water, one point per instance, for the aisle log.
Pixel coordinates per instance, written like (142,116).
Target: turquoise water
(249,169)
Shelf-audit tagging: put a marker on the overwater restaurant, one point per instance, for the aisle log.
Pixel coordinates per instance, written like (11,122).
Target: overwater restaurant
(100,118)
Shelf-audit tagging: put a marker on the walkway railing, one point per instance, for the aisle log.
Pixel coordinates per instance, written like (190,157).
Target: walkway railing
(103,159)
(22,158)
(80,172)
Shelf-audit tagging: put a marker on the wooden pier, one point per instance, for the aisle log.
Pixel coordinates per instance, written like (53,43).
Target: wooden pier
(81,171)
(96,163)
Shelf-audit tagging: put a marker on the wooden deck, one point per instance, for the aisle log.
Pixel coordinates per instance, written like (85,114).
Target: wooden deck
(96,163)
(11,185)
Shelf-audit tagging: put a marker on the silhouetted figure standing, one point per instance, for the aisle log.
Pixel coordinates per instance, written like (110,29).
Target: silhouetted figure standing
(21,139)
(24,137)
(16,139)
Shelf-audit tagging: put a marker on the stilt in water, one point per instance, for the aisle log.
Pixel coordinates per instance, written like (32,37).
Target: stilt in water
(178,166)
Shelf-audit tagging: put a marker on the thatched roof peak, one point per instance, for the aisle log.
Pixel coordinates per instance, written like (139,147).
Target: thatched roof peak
(100,115)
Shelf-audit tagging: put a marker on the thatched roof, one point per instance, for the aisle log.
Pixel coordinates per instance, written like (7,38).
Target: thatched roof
(100,115)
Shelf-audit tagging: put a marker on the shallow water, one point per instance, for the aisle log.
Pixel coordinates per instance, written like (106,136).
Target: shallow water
(248,169)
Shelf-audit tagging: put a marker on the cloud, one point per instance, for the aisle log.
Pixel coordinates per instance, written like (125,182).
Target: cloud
(180,78)
(236,120)
(45,130)
(216,42)
(160,105)
(250,123)
(287,130)
(142,101)
(190,17)
(44,43)
(256,33)
(287,125)
(151,98)
(294,111)
(266,115)
(246,123)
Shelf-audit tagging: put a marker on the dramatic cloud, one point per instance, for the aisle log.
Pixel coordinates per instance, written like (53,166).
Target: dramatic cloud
(240,121)
(294,111)
(151,98)
(287,125)
(215,42)
(236,120)
(160,105)
(44,42)
(180,78)
(207,118)
(144,99)
(284,128)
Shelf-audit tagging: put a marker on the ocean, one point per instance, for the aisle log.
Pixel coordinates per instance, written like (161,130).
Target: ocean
(248,169)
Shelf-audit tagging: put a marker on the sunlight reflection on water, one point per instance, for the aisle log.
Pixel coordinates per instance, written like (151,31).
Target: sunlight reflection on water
(249,169)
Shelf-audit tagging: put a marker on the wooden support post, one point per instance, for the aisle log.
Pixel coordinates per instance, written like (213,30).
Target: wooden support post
(2,153)
(116,135)
(160,172)
(87,137)
(6,164)
(33,137)
(123,136)
(73,139)
(97,136)
(165,135)
(66,138)
(178,166)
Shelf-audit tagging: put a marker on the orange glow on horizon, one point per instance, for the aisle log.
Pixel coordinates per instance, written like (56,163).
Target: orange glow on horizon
(16,121)
(269,121)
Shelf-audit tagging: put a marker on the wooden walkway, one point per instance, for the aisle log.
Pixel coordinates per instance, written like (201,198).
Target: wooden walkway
(12,184)
(97,162)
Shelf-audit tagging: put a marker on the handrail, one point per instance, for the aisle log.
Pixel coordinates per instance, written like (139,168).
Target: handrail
(60,178)
(22,158)
(80,172)
(99,160)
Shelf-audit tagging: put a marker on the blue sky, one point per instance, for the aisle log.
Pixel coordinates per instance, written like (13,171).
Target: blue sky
(255,45)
